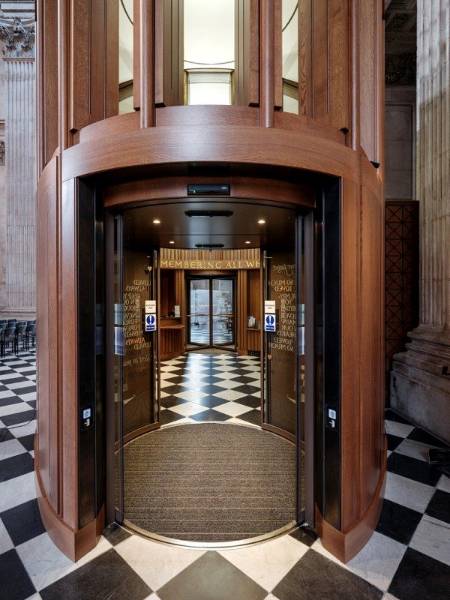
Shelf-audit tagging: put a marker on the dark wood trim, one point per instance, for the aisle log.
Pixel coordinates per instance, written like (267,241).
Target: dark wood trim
(266,62)
(309,461)
(132,435)
(147,62)
(278,431)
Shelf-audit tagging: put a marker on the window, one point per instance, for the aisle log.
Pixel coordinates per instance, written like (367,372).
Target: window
(289,20)
(126,56)
(209,51)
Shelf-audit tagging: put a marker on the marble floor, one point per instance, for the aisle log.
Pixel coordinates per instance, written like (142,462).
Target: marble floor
(408,557)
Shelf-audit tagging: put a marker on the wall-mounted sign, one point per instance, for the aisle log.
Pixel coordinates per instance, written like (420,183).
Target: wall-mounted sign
(150,307)
(150,323)
(209,265)
(269,307)
(270,323)
(177,311)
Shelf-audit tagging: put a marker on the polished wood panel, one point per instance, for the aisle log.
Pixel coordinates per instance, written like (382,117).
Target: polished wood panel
(47,91)
(340,90)
(146,61)
(160,188)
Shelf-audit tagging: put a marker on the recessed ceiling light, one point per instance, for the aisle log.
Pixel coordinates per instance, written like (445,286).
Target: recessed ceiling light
(247,241)
(156,221)
(171,242)
(261,221)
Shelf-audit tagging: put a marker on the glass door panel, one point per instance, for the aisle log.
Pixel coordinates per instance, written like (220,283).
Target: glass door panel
(199,312)
(222,312)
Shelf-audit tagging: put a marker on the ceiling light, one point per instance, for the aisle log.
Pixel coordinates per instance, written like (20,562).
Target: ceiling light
(171,242)
(156,221)
(247,241)
(261,221)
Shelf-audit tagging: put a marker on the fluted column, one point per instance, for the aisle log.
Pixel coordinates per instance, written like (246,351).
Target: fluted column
(420,386)
(19,297)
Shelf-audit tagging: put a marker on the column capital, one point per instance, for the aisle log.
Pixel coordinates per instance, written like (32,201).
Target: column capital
(18,37)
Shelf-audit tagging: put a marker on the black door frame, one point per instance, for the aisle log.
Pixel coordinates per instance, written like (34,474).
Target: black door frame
(309,468)
(210,278)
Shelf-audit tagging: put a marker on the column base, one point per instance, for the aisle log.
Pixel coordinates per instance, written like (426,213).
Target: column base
(420,381)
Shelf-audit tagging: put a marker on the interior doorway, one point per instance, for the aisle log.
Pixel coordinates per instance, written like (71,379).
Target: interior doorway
(209,445)
(211,317)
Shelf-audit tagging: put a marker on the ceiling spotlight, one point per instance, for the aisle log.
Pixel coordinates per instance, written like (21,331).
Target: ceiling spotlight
(261,221)
(156,221)
(247,241)
(171,242)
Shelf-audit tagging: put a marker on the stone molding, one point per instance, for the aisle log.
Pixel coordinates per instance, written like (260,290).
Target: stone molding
(18,37)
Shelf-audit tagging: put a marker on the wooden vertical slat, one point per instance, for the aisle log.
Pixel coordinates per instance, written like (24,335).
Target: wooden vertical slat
(160,63)
(110,56)
(47,93)
(305,57)
(136,54)
(80,23)
(278,55)
(267,63)
(147,62)
(338,63)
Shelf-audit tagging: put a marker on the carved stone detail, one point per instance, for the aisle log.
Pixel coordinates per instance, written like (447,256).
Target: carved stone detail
(18,37)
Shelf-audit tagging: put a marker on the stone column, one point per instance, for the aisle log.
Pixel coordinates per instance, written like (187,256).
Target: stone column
(420,381)
(20,162)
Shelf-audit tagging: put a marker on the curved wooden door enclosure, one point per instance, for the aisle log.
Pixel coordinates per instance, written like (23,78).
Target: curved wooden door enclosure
(91,158)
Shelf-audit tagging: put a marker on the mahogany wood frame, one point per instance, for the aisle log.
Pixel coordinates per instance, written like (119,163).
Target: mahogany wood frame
(338,133)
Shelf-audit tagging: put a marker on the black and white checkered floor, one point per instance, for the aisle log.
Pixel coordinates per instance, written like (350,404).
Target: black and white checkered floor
(200,387)
(408,557)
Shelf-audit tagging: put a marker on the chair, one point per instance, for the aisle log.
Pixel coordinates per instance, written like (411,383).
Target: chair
(30,334)
(9,338)
(21,328)
(2,337)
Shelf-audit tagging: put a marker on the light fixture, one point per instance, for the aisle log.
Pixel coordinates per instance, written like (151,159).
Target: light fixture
(171,242)
(247,241)
(261,221)
(156,221)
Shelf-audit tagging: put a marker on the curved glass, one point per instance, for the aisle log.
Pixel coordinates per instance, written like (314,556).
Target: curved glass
(290,46)
(209,51)
(126,27)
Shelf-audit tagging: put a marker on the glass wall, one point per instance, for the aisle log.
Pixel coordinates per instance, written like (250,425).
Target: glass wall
(126,103)
(209,51)
(290,46)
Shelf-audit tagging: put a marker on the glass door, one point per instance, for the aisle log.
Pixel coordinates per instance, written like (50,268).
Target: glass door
(211,318)
(199,331)
(222,317)
(133,280)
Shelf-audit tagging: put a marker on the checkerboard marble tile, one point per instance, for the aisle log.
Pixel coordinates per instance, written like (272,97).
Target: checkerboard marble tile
(198,387)
(407,558)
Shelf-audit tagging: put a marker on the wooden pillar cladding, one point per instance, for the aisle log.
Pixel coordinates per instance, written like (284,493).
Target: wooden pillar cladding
(324,61)
(267,13)
(136,54)
(169,51)
(370,42)
(47,93)
(147,62)
(93,61)
(247,52)
(241,309)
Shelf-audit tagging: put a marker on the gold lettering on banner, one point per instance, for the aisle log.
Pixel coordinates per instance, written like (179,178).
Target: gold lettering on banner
(205,265)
